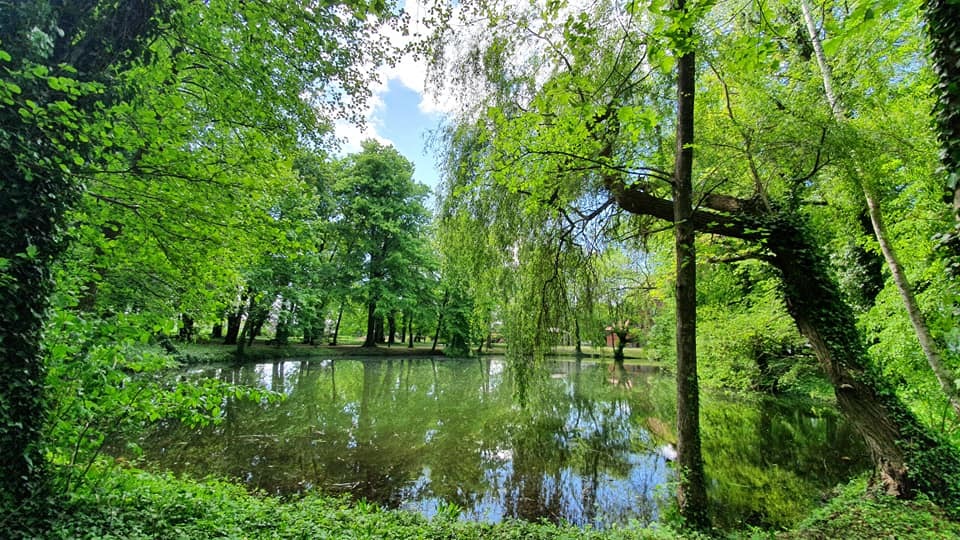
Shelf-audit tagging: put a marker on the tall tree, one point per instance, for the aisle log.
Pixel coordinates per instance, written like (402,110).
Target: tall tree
(382,213)
(692,488)
(144,106)
(943,26)
(59,57)
(573,107)
(931,348)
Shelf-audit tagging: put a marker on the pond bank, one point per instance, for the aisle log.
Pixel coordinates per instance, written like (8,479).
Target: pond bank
(131,504)
(203,353)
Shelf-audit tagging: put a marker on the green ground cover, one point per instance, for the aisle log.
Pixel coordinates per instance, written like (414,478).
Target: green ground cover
(130,504)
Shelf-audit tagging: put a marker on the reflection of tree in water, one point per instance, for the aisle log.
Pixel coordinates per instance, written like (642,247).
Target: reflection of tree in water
(771,461)
(573,450)
(416,433)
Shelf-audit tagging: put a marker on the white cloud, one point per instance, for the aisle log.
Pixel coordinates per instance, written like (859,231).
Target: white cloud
(410,72)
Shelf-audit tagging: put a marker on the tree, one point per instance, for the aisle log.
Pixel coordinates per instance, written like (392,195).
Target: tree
(943,26)
(931,348)
(382,214)
(692,488)
(59,58)
(148,106)
(582,114)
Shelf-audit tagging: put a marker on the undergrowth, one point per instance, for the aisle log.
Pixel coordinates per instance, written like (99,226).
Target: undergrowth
(136,505)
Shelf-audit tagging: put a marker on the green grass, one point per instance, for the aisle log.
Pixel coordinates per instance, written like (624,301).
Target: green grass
(135,505)
(857,512)
(213,352)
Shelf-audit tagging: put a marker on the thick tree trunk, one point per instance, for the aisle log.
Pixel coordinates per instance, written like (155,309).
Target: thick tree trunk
(233,328)
(908,457)
(371,339)
(619,345)
(380,336)
(27,221)
(691,487)
(391,328)
(943,26)
(187,330)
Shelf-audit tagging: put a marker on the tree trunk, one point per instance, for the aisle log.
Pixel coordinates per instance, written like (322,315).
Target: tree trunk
(691,488)
(578,346)
(907,456)
(931,349)
(35,196)
(242,339)
(187,331)
(371,339)
(380,337)
(233,323)
(391,328)
(410,332)
(443,307)
(943,26)
(336,328)
(619,345)
(217,331)
(258,320)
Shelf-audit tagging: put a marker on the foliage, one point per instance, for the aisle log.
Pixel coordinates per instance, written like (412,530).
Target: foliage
(106,383)
(130,504)
(52,88)
(159,110)
(382,222)
(852,514)
(944,31)
(571,106)
(745,338)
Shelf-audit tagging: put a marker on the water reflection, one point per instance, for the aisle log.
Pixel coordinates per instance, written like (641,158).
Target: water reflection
(591,446)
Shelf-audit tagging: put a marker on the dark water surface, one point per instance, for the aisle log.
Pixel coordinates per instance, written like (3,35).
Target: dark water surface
(592,446)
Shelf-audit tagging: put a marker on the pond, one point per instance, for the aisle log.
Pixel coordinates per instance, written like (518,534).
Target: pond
(593,444)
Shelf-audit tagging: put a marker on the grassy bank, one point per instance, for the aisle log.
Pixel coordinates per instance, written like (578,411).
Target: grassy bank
(134,505)
(130,504)
(214,352)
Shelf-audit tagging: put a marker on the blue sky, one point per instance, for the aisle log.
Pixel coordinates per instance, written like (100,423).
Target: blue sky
(401,113)
(401,122)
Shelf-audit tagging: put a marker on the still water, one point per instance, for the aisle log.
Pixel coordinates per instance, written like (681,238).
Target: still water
(593,444)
